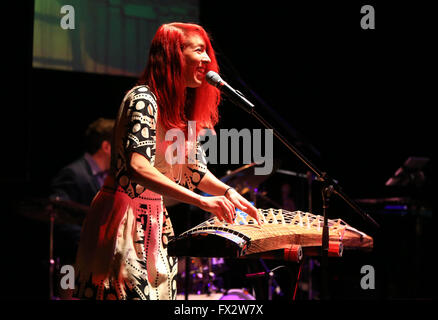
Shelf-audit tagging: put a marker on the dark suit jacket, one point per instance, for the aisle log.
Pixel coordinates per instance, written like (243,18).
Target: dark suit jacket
(75,182)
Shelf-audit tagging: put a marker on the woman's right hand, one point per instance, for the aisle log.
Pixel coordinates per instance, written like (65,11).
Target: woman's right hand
(220,206)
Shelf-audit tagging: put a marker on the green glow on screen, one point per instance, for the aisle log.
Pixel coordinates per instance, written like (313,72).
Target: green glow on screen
(109,36)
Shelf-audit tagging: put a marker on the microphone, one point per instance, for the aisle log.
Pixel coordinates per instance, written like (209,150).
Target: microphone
(237,97)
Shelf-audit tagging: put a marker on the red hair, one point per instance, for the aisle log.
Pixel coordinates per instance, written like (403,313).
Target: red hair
(178,104)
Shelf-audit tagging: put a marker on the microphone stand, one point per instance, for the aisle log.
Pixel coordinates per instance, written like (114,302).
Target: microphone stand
(310,207)
(329,187)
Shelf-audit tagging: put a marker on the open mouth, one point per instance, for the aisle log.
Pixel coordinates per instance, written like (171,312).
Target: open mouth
(200,72)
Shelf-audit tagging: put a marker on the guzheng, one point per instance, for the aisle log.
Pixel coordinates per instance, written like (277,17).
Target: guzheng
(282,235)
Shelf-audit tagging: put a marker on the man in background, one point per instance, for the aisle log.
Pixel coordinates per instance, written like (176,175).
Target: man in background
(75,186)
(81,180)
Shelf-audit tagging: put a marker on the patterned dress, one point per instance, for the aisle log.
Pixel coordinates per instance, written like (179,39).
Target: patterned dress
(123,248)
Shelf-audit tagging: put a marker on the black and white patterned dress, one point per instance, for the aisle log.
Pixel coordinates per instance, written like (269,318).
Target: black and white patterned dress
(123,247)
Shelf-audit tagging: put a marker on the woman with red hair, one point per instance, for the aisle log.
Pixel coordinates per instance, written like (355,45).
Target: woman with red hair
(123,247)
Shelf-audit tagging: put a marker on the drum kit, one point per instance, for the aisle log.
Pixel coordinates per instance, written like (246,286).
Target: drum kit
(55,212)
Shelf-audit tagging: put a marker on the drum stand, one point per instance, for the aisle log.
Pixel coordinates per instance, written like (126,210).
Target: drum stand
(52,215)
(310,209)
(53,262)
(271,281)
(187,279)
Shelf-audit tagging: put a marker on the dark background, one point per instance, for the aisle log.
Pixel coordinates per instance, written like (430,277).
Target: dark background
(357,102)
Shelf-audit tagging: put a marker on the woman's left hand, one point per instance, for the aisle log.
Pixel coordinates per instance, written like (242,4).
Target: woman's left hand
(243,204)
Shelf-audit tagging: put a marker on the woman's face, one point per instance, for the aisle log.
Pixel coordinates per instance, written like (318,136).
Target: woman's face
(196,60)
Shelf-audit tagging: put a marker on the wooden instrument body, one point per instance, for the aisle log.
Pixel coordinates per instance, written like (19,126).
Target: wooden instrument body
(281,235)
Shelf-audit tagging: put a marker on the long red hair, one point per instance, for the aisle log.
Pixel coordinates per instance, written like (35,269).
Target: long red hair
(178,104)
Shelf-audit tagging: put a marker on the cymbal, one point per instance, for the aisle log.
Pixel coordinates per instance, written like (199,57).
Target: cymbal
(62,211)
(244,178)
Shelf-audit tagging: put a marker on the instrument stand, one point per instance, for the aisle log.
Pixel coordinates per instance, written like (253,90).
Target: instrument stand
(326,194)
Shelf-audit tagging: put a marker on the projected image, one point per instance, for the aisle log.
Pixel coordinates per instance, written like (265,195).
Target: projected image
(102,36)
